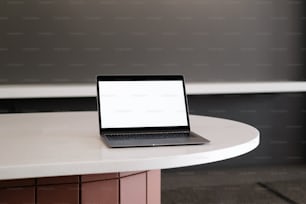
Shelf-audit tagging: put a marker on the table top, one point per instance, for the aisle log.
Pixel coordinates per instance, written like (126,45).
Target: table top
(68,143)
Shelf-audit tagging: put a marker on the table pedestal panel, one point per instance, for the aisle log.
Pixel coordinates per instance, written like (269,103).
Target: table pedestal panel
(116,188)
(133,189)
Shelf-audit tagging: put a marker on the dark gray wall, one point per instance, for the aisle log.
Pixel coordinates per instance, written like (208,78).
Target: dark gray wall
(280,118)
(71,41)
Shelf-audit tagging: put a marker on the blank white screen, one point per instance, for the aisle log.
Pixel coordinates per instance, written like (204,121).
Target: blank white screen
(132,104)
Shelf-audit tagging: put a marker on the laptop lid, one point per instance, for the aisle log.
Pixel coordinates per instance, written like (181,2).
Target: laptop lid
(142,103)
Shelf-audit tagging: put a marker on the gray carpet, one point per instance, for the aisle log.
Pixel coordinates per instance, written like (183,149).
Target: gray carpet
(293,189)
(246,194)
(267,185)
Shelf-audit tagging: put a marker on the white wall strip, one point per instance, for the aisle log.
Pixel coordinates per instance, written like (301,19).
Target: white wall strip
(245,87)
(47,91)
(89,90)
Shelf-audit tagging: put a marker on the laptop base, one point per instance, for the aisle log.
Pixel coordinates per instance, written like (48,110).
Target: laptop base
(152,140)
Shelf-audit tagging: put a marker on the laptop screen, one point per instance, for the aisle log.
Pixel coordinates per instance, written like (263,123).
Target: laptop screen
(141,104)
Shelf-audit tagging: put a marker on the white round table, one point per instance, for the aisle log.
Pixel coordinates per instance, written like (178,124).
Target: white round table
(36,145)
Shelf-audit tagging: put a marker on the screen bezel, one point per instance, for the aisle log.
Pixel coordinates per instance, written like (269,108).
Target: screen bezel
(141,78)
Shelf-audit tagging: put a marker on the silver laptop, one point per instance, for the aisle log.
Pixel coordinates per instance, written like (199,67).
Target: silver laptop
(140,111)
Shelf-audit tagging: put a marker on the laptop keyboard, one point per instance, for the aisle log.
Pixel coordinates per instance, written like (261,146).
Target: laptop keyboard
(146,136)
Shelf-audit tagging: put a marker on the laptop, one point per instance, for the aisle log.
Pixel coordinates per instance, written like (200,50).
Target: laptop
(144,111)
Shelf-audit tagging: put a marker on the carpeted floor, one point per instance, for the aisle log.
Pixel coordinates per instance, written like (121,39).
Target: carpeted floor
(294,190)
(266,185)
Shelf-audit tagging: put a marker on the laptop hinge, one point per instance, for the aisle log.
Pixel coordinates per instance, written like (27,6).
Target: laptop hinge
(146,132)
